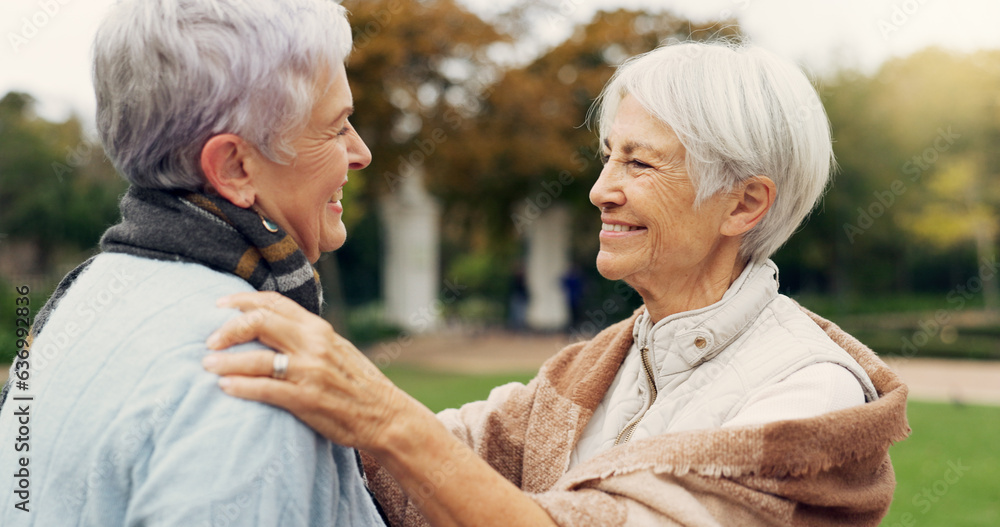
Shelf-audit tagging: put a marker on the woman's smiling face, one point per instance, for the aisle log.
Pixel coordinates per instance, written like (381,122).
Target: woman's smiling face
(303,197)
(651,232)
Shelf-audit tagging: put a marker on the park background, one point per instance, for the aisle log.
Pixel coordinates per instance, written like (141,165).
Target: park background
(476,111)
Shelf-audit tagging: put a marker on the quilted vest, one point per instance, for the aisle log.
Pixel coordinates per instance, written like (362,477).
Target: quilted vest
(706,363)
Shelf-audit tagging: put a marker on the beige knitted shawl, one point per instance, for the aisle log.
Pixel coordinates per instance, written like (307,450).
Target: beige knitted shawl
(833,469)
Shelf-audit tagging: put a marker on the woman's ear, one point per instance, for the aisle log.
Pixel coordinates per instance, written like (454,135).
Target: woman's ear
(222,160)
(752,200)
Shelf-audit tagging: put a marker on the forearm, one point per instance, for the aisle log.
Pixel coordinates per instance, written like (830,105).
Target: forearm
(446,480)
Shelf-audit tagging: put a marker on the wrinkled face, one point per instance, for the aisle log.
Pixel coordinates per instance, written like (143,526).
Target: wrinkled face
(650,231)
(303,197)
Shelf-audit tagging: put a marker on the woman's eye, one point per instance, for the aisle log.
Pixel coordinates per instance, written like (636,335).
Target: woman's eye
(345,129)
(638,164)
(605,158)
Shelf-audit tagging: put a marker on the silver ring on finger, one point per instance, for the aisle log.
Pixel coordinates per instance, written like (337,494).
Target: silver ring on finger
(280,366)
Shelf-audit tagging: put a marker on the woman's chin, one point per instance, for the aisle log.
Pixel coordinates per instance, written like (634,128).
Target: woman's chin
(609,268)
(334,239)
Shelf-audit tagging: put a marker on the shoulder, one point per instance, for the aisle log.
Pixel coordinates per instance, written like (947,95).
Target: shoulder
(140,295)
(122,274)
(126,343)
(783,332)
(811,391)
(783,318)
(583,371)
(137,327)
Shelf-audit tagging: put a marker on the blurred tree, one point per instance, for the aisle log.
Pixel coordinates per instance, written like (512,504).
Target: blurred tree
(821,257)
(417,72)
(535,145)
(438,87)
(501,137)
(533,132)
(56,189)
(946,117)
(915,143)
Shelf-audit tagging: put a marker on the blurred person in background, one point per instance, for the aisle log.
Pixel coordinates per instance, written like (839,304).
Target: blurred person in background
(718,402)
(229,118)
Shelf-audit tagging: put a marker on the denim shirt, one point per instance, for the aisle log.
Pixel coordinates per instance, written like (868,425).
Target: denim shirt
(125,427)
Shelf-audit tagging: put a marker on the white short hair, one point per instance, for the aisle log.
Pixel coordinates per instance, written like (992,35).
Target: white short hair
(740,112)
(170,74)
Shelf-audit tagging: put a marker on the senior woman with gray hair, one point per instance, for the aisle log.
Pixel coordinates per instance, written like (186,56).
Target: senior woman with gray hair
(230,120)
(719,402)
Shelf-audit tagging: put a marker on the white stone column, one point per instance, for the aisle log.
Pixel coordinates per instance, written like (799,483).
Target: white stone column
(548,262)
(411,222)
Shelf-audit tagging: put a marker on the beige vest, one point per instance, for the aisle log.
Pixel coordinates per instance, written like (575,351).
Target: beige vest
(706,363)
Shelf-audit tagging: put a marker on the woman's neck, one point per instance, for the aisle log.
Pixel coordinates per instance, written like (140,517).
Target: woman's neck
(701,287)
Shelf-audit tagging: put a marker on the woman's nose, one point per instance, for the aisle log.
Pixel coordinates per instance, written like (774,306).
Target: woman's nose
(607,191)
(359,156)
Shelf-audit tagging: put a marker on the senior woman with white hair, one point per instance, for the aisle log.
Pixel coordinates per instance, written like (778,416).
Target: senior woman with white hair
(229,118)
(719,402)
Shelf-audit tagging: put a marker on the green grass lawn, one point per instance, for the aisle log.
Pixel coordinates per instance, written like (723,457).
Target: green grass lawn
(449,390)
(947,472)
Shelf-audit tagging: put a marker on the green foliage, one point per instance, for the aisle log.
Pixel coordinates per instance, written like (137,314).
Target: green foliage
(366,325)
(481,274)
(916,145)
(477,311)
(8,316)
(56,189)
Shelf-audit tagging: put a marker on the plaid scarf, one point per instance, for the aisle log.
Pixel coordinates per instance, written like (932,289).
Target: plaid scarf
(202,229)
(211,231)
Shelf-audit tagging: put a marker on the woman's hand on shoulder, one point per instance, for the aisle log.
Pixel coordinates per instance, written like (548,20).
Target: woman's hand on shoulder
(329,384)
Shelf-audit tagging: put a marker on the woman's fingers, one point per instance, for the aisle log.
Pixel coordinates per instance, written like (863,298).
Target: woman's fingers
(264,389)
(275,321)
(332,412)
(329,384)
(273,329)
(248,363)
(268,300)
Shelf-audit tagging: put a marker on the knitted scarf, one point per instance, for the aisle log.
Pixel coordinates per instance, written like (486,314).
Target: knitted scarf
(211,231)
(202,229)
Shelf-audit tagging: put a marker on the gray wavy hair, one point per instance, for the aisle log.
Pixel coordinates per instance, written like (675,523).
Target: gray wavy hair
(740,112)
(170,74)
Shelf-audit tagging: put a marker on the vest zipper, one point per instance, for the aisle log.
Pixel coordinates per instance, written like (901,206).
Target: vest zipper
(626,432)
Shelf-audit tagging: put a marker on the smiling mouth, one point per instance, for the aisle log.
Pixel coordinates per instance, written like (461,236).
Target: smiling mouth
(618,228)
(337,196)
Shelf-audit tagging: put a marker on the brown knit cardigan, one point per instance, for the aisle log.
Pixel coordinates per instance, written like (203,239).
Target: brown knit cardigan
(833,469)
